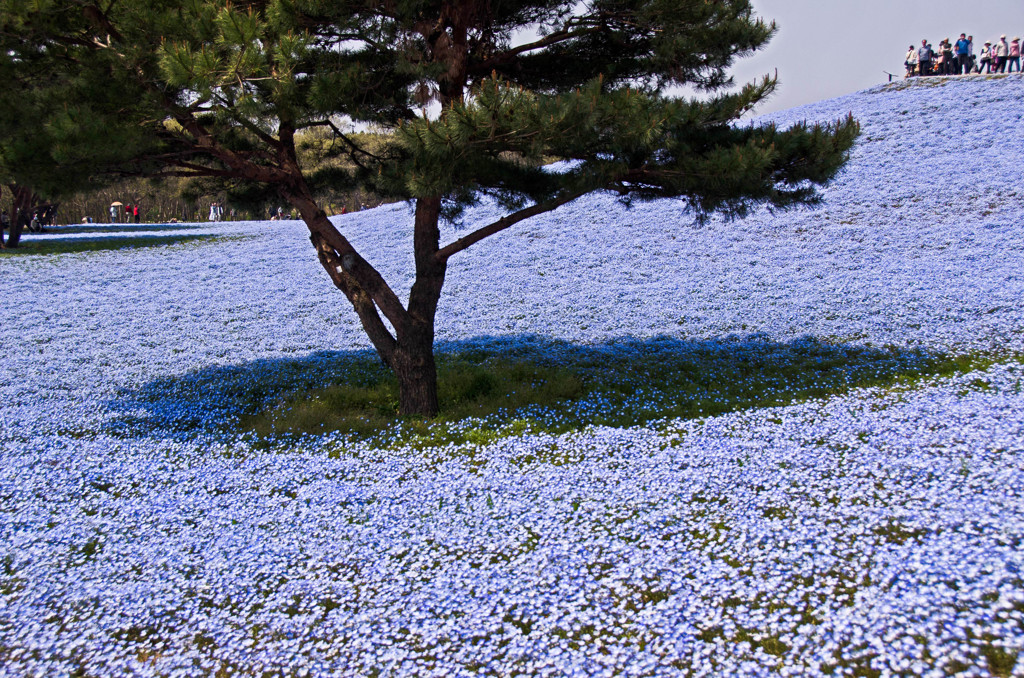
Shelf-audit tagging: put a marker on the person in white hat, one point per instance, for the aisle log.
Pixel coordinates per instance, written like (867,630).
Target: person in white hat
(1002,52)
(985,62)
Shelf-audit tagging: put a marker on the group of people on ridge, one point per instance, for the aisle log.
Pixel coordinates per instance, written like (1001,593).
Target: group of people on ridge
(959,58)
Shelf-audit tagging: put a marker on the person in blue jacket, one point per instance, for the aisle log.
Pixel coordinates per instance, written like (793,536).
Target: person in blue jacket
(963,59)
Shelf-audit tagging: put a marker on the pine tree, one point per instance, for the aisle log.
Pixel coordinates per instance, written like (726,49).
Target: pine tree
(61,125)
(215,88)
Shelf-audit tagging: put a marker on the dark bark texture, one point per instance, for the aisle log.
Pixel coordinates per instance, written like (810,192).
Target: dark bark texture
(20,215)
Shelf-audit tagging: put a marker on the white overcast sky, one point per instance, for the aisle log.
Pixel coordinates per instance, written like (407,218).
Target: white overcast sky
(826,48)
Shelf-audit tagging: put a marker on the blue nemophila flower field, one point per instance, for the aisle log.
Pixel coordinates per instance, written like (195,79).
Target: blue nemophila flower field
(874,532)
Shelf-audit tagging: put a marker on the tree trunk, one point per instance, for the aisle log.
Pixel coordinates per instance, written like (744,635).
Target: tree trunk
(414,355)
(414,367)
(21,208)
(410,351)
(18,224)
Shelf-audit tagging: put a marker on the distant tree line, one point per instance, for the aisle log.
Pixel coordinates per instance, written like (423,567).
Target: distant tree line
(162,199)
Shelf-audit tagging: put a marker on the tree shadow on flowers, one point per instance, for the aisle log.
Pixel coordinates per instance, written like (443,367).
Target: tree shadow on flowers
(103,243)
(492,387)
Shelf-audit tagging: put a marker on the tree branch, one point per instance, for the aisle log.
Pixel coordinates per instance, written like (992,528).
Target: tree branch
(362,302)
(356,149)
(505,222)
(328,239)
(502,58)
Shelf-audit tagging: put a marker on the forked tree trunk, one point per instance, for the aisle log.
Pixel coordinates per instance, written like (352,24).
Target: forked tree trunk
(409,352)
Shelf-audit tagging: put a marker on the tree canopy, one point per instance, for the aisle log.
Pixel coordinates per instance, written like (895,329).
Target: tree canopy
(473,97)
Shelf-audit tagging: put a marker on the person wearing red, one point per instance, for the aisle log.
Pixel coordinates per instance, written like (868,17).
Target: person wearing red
(1014,58)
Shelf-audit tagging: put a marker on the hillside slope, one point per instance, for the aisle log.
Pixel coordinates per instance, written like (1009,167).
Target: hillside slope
(918,242)
(875,532)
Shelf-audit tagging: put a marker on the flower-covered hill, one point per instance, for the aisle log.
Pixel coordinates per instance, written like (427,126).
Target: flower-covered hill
(878,532)
(919,239)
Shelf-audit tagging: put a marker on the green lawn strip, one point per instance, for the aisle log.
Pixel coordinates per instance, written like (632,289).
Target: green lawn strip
(489,395)
(119,228)
(100,244)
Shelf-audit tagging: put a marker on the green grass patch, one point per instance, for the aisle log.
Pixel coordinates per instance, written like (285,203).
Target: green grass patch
(99,244)
(366,403)
(100,229)
(490,394)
